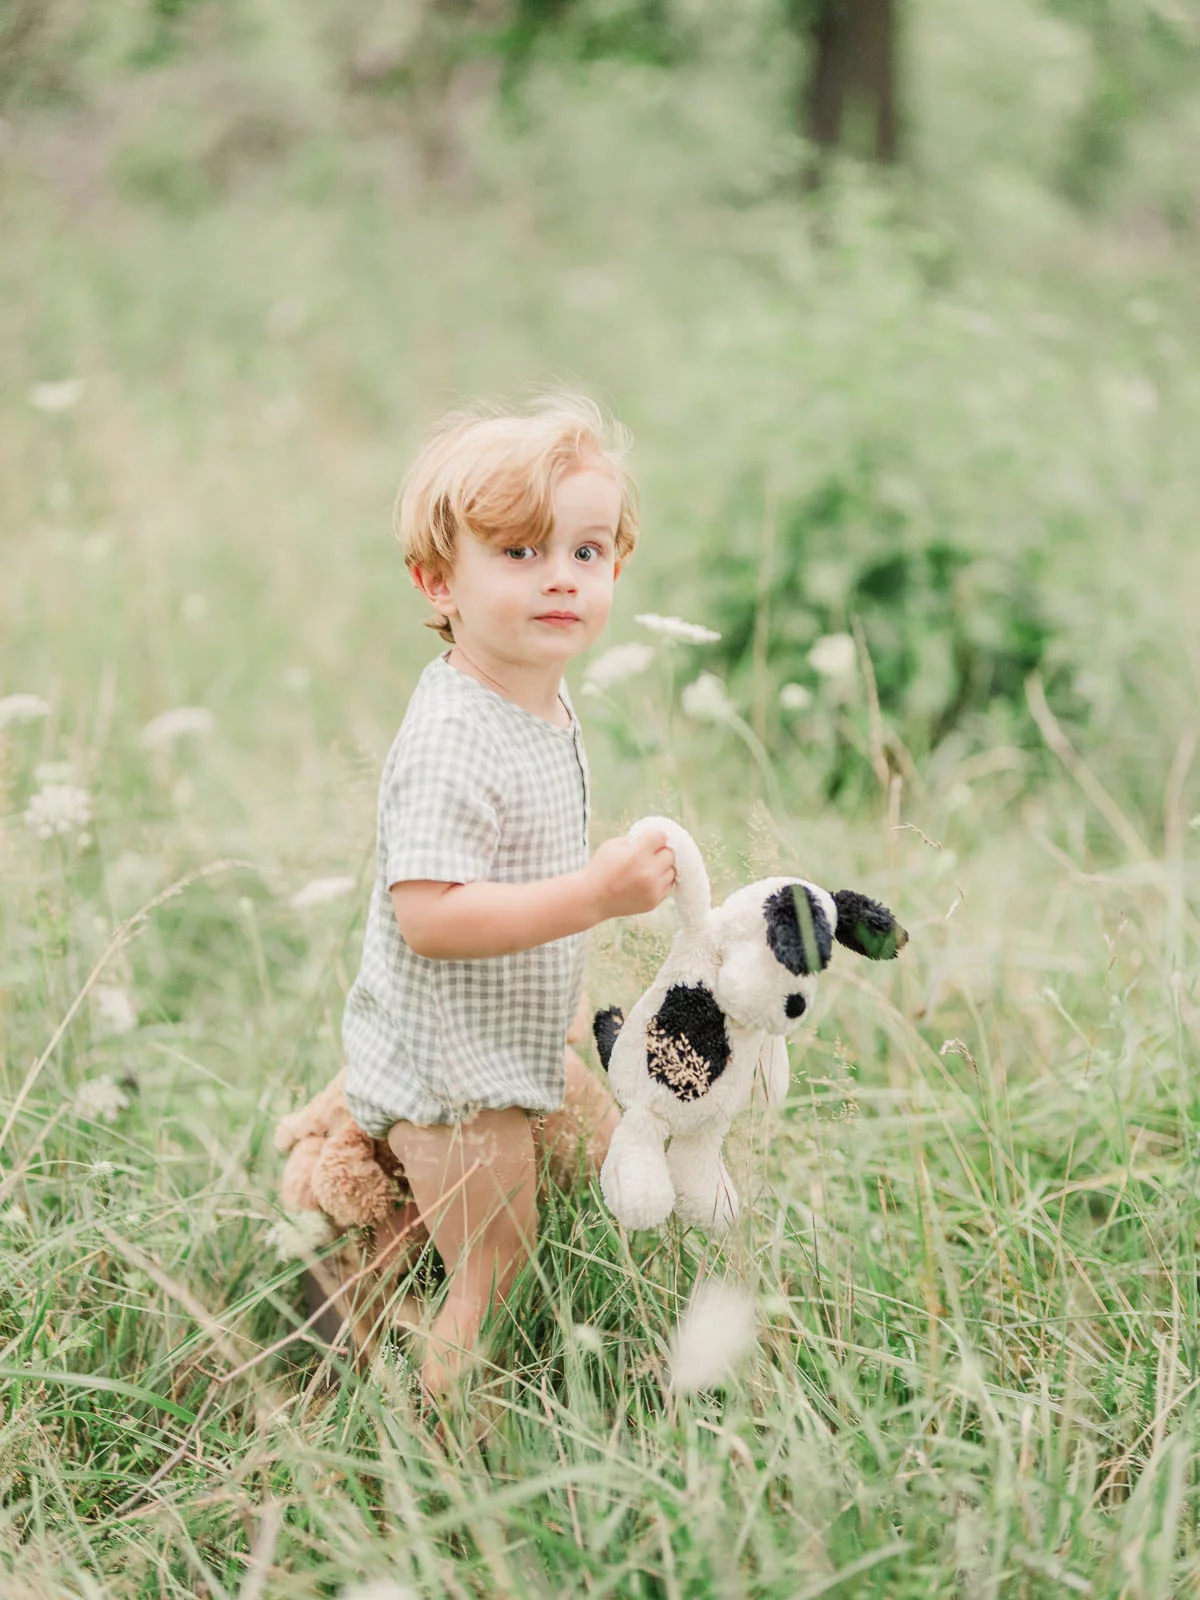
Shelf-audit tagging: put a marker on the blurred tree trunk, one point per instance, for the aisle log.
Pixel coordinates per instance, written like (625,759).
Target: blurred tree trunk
(853,50)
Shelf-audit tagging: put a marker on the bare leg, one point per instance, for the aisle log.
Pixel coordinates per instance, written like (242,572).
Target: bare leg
(483,1232)
(577,1137)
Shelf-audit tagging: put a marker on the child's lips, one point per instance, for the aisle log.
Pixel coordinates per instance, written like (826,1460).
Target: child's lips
(558,619)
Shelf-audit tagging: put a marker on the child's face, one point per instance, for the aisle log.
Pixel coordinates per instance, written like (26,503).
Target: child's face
(527,606)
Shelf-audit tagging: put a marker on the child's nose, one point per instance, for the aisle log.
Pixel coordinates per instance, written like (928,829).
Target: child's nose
(559,574)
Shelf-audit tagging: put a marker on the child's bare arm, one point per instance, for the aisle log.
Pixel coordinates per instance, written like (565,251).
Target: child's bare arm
(471,921)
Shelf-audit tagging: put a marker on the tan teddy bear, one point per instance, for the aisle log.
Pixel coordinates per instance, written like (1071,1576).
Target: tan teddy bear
(333,1167)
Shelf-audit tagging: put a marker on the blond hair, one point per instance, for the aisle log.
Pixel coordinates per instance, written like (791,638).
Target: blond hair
(491,473)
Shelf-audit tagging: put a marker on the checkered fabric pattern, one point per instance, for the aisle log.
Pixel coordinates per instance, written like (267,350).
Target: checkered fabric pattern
(475,787)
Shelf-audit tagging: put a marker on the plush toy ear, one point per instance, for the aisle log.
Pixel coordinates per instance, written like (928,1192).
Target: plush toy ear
(866,927)
(687,1047)
(606,1025)
(798,930)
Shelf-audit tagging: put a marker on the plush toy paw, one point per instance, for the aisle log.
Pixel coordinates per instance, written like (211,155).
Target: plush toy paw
(634,1179)
(715,1212)
(704,1193)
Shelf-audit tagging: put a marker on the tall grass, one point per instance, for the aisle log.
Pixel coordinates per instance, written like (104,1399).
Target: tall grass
(970,1235)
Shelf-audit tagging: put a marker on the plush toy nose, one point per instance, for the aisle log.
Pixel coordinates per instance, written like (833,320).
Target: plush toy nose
(796,1005)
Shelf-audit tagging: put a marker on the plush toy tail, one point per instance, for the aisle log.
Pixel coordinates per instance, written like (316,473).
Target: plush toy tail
(693,897)
(606,1025)
(866,927)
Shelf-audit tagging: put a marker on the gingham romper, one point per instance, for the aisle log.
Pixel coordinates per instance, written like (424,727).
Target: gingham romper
(474,788)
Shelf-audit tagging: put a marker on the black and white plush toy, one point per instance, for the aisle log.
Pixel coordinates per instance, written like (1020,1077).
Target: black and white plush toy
(737,980)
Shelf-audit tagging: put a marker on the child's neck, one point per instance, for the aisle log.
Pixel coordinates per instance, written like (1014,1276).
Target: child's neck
(534,688)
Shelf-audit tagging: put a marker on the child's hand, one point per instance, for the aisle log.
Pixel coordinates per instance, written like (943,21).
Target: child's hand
(632,875)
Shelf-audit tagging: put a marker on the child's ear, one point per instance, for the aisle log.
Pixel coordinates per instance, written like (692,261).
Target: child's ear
(616,570)
(435,588)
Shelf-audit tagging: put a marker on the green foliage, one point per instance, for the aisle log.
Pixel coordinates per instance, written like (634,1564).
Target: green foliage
(1144,59)
(951,630)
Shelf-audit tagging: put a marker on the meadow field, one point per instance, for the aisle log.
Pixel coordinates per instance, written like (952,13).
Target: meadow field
(922,448)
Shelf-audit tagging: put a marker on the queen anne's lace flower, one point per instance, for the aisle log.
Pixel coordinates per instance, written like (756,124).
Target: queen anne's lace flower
(164,729)
(616,665)
(22,708)
(113,1011)
(320,890)
(707,700)
(58,808)
(834,656)
(60,395)
(794,697)
(677,628)
(100,1100)
(712,1336)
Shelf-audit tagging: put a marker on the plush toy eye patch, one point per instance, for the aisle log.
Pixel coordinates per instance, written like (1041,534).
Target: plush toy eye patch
(798,931)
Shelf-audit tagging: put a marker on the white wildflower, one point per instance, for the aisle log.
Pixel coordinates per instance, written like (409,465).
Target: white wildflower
(794,697)
(587,1337)
(707,700)
(677,628)
(320,890)
(100,1100)
(296,679)
(616,665)
(715,1332)
(834,656)
(379,1589)
(113,1012)
(57,396)
(298,1233)
(101,1171)
(22,708)
(168,726)
(58,808)
(1195,822)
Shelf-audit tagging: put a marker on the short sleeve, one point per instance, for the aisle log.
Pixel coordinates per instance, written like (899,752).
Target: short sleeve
(442,801)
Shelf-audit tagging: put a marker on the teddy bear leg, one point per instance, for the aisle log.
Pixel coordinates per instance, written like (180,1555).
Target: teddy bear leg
(355,1285)
(704,1192)
(349,1310)
(634,1179)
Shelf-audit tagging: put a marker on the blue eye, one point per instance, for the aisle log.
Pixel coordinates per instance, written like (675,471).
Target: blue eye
(519,551)
(593,553)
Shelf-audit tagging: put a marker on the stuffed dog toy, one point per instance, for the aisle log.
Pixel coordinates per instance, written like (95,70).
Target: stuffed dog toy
(737,980)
